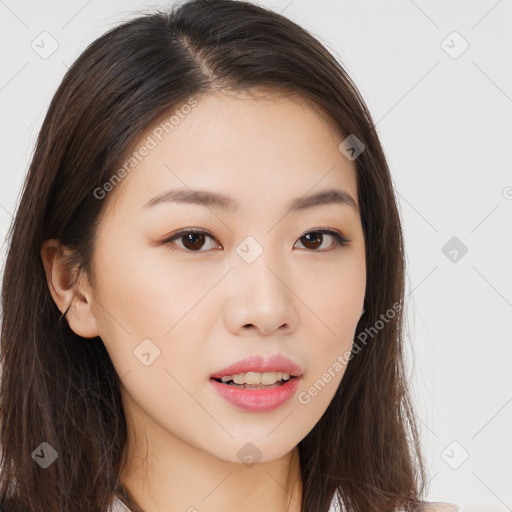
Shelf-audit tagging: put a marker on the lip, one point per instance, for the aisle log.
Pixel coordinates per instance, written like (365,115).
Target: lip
(259,364)
(257,400)
(264,399)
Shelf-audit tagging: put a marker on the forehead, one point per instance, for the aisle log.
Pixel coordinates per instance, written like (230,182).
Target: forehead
(252,143)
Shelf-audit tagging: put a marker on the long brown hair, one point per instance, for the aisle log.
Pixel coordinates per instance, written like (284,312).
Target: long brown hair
(60,389)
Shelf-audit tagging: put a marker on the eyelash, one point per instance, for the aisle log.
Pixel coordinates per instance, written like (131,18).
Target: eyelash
(340,240)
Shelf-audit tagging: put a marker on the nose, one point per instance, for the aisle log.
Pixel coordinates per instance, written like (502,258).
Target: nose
(260,299)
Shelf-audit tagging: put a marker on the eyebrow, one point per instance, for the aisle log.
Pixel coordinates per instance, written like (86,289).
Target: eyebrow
(221,201)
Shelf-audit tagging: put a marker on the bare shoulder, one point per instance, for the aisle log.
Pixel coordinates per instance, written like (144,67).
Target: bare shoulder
(431,506)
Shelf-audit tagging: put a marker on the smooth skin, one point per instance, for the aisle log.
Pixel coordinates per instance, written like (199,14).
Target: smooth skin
(205,307)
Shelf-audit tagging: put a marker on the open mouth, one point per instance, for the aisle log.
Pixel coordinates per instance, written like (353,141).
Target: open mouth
(256,386)
(256,397)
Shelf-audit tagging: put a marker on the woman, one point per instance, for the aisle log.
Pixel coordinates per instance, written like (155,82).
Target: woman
(203,293)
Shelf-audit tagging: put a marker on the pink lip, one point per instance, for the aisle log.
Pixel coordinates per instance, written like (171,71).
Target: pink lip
(259,400)
(259,364)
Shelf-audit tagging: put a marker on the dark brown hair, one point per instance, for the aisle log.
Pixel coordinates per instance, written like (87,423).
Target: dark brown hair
(59,388)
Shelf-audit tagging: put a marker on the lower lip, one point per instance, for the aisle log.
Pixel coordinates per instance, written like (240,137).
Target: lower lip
(257,400)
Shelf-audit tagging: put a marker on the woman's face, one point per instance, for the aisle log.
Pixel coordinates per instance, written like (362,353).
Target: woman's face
(174,308)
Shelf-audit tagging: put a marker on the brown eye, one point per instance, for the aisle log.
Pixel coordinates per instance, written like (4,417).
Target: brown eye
(195,240)
(314,239)
(191,240)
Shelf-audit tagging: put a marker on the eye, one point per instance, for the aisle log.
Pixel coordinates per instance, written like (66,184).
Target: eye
(314,239)
(193,240)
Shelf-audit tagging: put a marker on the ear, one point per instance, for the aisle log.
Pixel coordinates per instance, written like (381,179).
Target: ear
(71,294)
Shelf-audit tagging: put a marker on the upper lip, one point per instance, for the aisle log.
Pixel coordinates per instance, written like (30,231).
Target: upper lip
(259,364)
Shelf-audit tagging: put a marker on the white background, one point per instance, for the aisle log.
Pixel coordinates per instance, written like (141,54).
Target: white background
(446,127)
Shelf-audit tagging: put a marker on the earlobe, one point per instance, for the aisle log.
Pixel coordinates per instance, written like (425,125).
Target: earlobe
(73,298)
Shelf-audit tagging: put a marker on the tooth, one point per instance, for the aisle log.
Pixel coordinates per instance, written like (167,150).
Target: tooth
(269,378)
(266,378)
(252,378)
(239,378)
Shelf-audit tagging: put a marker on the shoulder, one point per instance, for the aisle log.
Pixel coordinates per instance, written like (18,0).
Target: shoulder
(436,506)
(117,506)
(424,506)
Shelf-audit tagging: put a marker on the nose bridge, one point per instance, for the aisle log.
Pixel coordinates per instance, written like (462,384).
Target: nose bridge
(259,295)
(256,266)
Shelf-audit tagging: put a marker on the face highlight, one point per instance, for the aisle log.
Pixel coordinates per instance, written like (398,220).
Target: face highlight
(215,250)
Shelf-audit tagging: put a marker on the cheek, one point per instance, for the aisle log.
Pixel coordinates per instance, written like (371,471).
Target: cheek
(157,313)
(153,291)
(334,296)
(333,292)
(342,301)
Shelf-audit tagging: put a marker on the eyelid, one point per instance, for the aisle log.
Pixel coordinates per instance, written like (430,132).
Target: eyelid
(341,239)
(182,232)
(329,231)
